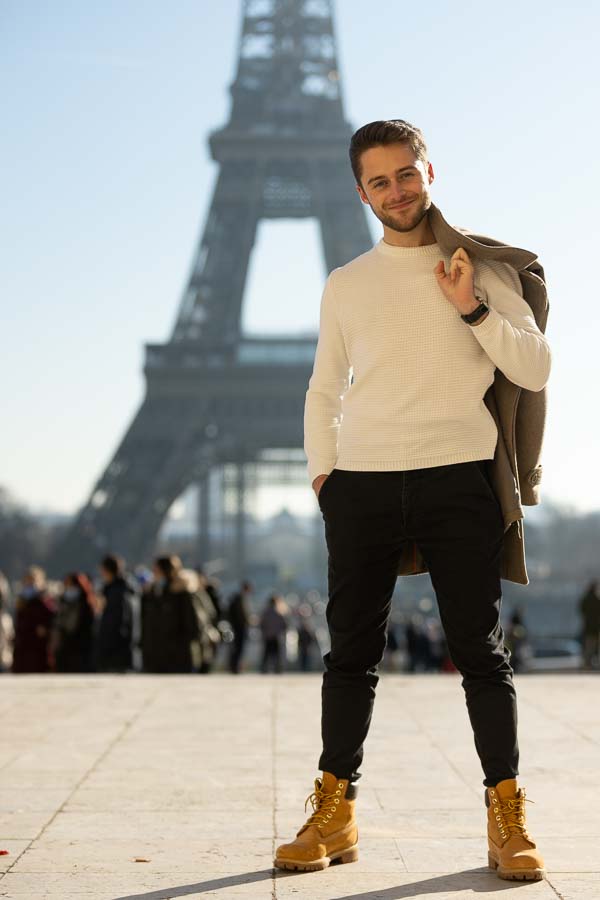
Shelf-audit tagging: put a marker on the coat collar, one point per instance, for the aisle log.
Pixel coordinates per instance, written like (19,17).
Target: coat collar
(450,237)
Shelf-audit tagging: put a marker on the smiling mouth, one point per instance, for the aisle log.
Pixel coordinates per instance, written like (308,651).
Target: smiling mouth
(401,205)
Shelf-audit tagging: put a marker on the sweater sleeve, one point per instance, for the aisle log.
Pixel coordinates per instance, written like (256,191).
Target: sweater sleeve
(327,385)
(509,334)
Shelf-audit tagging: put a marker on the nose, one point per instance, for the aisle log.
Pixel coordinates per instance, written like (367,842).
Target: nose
(398,194)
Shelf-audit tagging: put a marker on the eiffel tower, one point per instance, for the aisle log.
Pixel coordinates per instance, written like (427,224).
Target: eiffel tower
(216,397)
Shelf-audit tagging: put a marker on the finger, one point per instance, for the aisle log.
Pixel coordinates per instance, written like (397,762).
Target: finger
(461,256)
(460,252)
(462,263)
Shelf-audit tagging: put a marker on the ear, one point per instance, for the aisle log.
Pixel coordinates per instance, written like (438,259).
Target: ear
(362,194)
(430,172)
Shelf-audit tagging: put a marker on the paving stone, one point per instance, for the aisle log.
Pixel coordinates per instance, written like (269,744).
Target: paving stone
(205,776)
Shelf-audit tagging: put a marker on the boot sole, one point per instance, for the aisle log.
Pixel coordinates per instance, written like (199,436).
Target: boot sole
(342,856)
(515,874)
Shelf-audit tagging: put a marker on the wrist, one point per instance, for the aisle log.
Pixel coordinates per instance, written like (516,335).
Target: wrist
(478,312)
(471,306)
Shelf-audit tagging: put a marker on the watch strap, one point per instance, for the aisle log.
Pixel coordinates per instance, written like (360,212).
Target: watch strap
(477,313)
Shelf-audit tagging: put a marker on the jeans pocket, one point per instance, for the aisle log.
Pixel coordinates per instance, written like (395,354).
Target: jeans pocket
(324,487)
(482,466)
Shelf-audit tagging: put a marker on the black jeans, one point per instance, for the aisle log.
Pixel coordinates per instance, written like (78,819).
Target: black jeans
(454,516)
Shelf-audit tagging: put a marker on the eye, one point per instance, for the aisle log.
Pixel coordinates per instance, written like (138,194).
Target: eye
(379,184)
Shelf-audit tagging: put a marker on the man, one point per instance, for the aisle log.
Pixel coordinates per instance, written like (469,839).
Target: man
(408,461)
(115,629)
(240,618)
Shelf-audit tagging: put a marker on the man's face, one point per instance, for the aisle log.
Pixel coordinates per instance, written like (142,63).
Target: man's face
(395,184)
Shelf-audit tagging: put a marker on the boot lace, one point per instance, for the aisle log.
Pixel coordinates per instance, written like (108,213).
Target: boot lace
(323,804)
(510,815)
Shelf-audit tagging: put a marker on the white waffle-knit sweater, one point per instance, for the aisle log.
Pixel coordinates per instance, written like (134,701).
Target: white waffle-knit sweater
(399,378)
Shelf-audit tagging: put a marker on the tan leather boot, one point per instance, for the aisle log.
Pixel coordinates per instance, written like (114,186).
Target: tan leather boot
(330,834)
(511,852)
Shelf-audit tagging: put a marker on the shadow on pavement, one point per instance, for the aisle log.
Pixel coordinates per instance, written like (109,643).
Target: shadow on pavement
(200,887)
(478,881)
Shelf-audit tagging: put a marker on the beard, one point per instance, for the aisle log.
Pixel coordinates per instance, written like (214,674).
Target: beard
(404,220)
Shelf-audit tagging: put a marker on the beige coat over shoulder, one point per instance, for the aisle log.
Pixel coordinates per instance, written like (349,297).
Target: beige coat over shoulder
(519,414)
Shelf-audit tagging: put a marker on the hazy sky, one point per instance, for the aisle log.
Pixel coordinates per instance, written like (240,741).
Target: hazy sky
(106,180)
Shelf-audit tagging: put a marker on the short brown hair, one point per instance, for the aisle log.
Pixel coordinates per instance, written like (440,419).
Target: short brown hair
(390,131)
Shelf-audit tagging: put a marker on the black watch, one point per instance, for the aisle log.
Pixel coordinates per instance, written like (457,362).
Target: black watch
(477,313)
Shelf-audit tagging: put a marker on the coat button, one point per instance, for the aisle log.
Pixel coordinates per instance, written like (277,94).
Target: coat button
(535,476)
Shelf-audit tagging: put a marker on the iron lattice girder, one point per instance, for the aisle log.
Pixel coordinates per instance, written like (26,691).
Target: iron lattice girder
(287,68)
(214,395)
(244,194)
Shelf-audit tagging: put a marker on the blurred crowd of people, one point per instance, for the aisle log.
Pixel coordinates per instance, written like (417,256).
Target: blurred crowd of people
(172,619)
(175,616)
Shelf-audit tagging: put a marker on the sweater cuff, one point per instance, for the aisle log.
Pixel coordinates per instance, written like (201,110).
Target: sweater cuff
(489,324)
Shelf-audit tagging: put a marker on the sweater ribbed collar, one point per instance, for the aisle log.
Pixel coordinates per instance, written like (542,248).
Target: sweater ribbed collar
(425,250)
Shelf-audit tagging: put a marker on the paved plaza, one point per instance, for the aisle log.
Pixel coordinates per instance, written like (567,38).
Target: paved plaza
(152,787)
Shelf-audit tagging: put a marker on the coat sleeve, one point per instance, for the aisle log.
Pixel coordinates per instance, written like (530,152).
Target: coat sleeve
(509,335)
(327,385)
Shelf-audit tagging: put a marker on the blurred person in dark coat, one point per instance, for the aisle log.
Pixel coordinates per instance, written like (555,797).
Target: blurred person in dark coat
(589,608)
(115,630)
(170,621)
(418,645)
(34,615)
(517,641)
(239,617)
(73,630)
(7,628)
(273,626)
(307,638)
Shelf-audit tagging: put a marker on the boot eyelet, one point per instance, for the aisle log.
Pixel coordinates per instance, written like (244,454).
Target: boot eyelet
(340,785)
(336,800)
(338,792)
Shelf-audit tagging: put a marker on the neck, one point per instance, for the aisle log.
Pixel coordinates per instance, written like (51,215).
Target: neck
(419,236)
